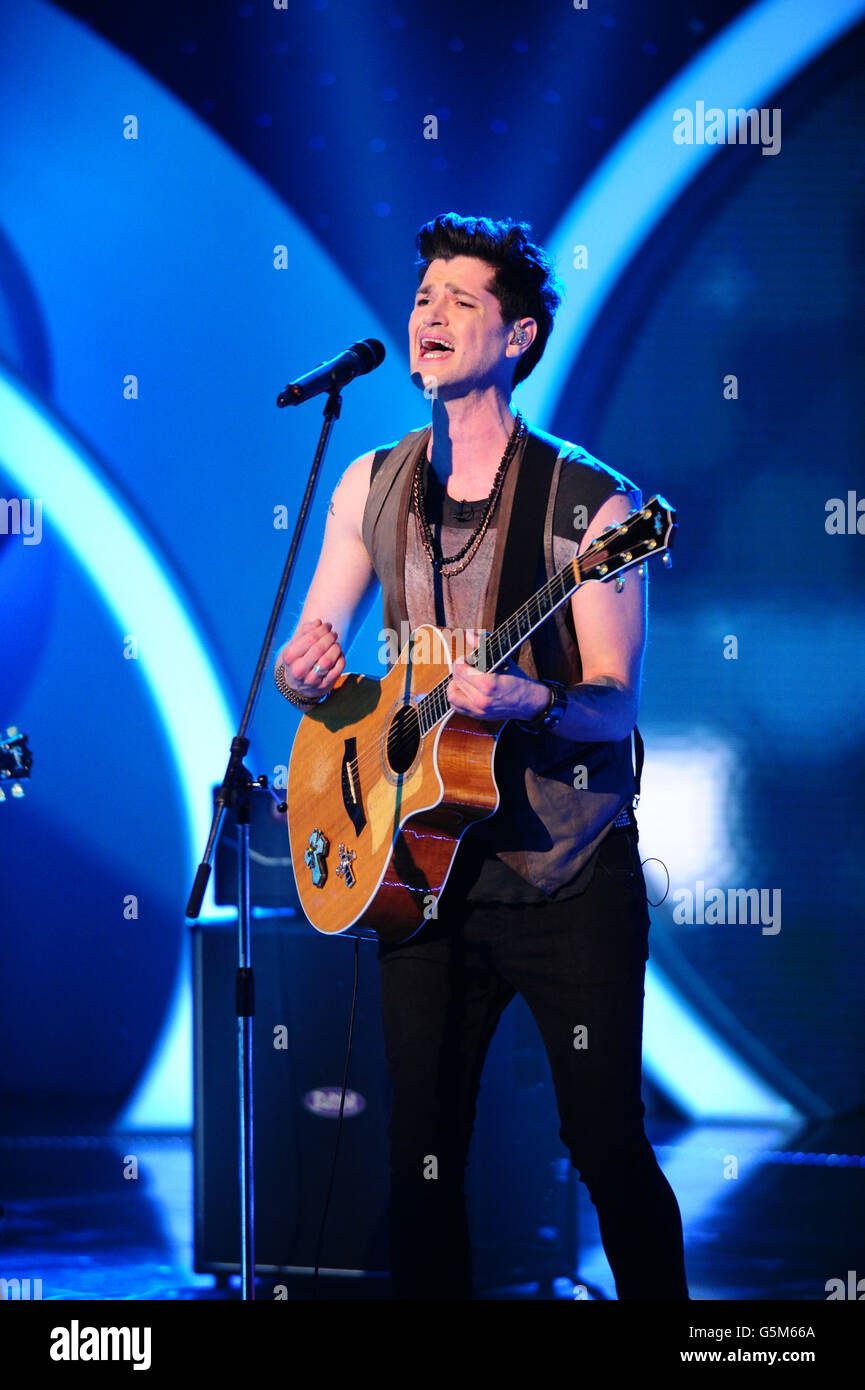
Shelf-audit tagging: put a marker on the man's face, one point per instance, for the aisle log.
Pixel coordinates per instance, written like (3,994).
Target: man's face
(456,334)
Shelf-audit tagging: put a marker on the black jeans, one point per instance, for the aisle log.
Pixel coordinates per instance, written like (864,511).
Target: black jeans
(579,964)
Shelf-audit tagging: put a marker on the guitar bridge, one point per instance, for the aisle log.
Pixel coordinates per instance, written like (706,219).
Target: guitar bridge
(351,793)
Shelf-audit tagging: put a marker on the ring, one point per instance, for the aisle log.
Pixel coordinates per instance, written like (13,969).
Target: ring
(316,668)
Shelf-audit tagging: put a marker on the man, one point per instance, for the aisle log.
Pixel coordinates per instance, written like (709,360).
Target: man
(546,897)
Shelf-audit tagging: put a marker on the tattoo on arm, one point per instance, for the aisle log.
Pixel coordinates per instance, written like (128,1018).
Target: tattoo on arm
(599,709)
(609,682)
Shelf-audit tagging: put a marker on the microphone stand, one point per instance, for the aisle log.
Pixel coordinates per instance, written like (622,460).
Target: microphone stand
(236,789)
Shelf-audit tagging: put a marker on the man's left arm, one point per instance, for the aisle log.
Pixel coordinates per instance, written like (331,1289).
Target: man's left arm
(611,632)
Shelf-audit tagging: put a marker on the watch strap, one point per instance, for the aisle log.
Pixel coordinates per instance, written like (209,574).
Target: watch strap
(549,716)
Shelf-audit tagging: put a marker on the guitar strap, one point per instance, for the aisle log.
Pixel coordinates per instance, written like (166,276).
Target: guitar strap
(523,569)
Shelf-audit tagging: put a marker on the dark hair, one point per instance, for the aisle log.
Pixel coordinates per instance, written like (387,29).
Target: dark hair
(524,283)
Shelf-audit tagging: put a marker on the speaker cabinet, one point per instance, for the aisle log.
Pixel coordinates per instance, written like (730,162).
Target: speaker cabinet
(521,1188)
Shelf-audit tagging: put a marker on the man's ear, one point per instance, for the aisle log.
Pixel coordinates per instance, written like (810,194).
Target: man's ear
(522,335)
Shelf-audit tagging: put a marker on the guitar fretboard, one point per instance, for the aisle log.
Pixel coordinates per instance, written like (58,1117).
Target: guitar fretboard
(498,645)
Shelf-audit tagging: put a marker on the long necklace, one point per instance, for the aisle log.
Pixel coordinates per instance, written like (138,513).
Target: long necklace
(466,555)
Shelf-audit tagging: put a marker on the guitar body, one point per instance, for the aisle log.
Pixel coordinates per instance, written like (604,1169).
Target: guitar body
(376,809)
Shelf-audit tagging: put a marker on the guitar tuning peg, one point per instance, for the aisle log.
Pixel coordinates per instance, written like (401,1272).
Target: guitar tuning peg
(2,794)
(17,789)
(667,561)
(12,731)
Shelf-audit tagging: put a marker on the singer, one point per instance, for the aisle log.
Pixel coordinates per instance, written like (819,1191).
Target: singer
(546,897)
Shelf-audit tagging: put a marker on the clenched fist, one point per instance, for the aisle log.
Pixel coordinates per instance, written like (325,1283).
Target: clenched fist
(313,659)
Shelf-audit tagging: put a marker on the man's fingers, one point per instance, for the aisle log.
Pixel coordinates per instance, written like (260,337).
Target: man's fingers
(317,634)
(323,644)
(464,704)
(312,628)
(315,643)
(305,638)
(309,636)
(469,676)
(334,673)
(320,648)
(461,684)
(327,658)
(331,674)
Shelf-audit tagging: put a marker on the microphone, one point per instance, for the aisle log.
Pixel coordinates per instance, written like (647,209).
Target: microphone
(333,375)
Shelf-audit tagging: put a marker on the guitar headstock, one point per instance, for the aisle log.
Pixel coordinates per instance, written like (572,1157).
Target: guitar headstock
(15,762)
(642,534)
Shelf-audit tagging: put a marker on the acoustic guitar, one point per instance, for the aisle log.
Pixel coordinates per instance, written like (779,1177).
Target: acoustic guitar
(385,776)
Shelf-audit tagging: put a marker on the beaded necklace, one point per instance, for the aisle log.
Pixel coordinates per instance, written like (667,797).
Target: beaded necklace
(466,555)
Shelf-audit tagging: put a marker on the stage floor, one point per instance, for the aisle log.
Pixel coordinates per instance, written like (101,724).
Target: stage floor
(792,1219)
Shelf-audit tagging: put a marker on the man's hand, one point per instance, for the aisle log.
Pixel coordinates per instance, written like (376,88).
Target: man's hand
(314,644)
(504,694)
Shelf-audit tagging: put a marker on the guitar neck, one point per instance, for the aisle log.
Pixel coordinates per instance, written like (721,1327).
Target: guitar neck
(495,647)
(647,531)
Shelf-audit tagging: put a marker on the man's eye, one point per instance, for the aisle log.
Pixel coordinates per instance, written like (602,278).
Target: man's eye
(464,304)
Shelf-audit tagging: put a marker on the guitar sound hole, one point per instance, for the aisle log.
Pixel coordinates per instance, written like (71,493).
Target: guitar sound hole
(403,739)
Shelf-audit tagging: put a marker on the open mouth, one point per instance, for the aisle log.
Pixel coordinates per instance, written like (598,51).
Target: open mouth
(432,346)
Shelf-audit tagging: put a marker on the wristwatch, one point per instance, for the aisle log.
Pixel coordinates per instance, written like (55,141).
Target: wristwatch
(549,716)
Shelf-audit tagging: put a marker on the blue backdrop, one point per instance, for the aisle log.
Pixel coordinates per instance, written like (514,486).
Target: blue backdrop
(195,209)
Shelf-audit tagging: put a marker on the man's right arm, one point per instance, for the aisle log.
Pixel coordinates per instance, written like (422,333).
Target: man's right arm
(341,591)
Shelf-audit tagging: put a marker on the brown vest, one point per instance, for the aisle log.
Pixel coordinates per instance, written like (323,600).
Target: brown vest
(545,829)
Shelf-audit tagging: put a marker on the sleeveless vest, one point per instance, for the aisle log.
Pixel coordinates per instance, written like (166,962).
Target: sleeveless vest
(545,829)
